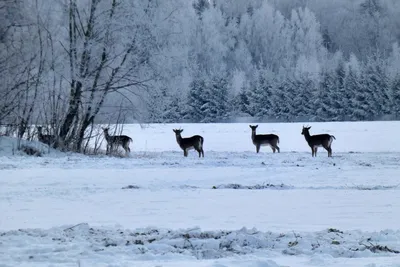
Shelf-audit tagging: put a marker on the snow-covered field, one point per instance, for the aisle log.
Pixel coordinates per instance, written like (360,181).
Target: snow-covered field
(232,208)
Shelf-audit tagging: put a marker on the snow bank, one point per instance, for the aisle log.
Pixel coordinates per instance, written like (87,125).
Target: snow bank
(11,146)
(71,243)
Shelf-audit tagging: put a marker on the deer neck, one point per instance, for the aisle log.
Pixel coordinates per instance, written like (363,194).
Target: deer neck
(107,136)
(253,134)
(40,135)
(307,136)
(179,139)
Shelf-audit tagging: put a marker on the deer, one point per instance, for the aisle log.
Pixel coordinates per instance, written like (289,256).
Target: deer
(194,142)
(117,140)
(259,140)
(315,141)
(48,139)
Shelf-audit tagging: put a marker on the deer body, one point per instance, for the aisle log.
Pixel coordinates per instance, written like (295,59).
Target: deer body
(259,140)
(189,143)
(48,139)
(318,140)
(114,141)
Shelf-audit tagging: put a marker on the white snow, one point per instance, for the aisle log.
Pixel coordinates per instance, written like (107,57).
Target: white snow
(232,208)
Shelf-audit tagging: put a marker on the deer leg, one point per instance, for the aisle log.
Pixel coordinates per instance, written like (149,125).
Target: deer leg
(127,149)
(277,148)
(312,151)
(202,152)
(273,149)
(257,148)
(329,152)
(185,152)
(198,149)
(327,148)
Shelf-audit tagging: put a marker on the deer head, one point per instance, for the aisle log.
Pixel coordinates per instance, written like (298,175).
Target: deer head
(305,130)
(253,127)
(177,131)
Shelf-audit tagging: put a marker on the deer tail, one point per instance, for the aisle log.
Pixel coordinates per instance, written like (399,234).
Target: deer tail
(201,140)
(278,139)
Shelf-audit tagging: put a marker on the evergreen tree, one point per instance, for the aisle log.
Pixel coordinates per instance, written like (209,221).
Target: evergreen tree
(199,7)
(395,96)
(361,97)
(326,109)
(196,100)
(332,98)
(241,102)
(341,99)
(215,107)
(156,105)
(281,101)
(377,84)
(260,95)
(303,90)
(173,111)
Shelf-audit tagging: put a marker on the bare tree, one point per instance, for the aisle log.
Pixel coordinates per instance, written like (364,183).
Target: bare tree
(97,66)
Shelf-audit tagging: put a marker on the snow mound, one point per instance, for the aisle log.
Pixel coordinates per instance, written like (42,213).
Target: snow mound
(253,187)
(74,242)
(289,187)
(11,146)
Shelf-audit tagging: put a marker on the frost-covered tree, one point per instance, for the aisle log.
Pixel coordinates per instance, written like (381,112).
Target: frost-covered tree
(265,33)
(194,111)
(332,99)
(174,111)
(260,93)
(361,98)
(70,64)
(216,94)
(199,6)
(280,100)
(326,109)
(306,38)
(302,105)
(241,104)
(376,82)
(395,97)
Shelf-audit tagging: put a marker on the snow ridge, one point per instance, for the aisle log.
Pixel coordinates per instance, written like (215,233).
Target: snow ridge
(82,240)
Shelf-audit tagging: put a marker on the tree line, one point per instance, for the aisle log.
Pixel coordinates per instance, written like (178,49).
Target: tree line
(70,65)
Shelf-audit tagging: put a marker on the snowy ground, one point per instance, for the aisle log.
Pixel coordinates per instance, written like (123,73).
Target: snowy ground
(232,208)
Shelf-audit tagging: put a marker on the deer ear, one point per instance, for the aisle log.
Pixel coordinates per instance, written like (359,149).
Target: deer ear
(309,127)
(256,125)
